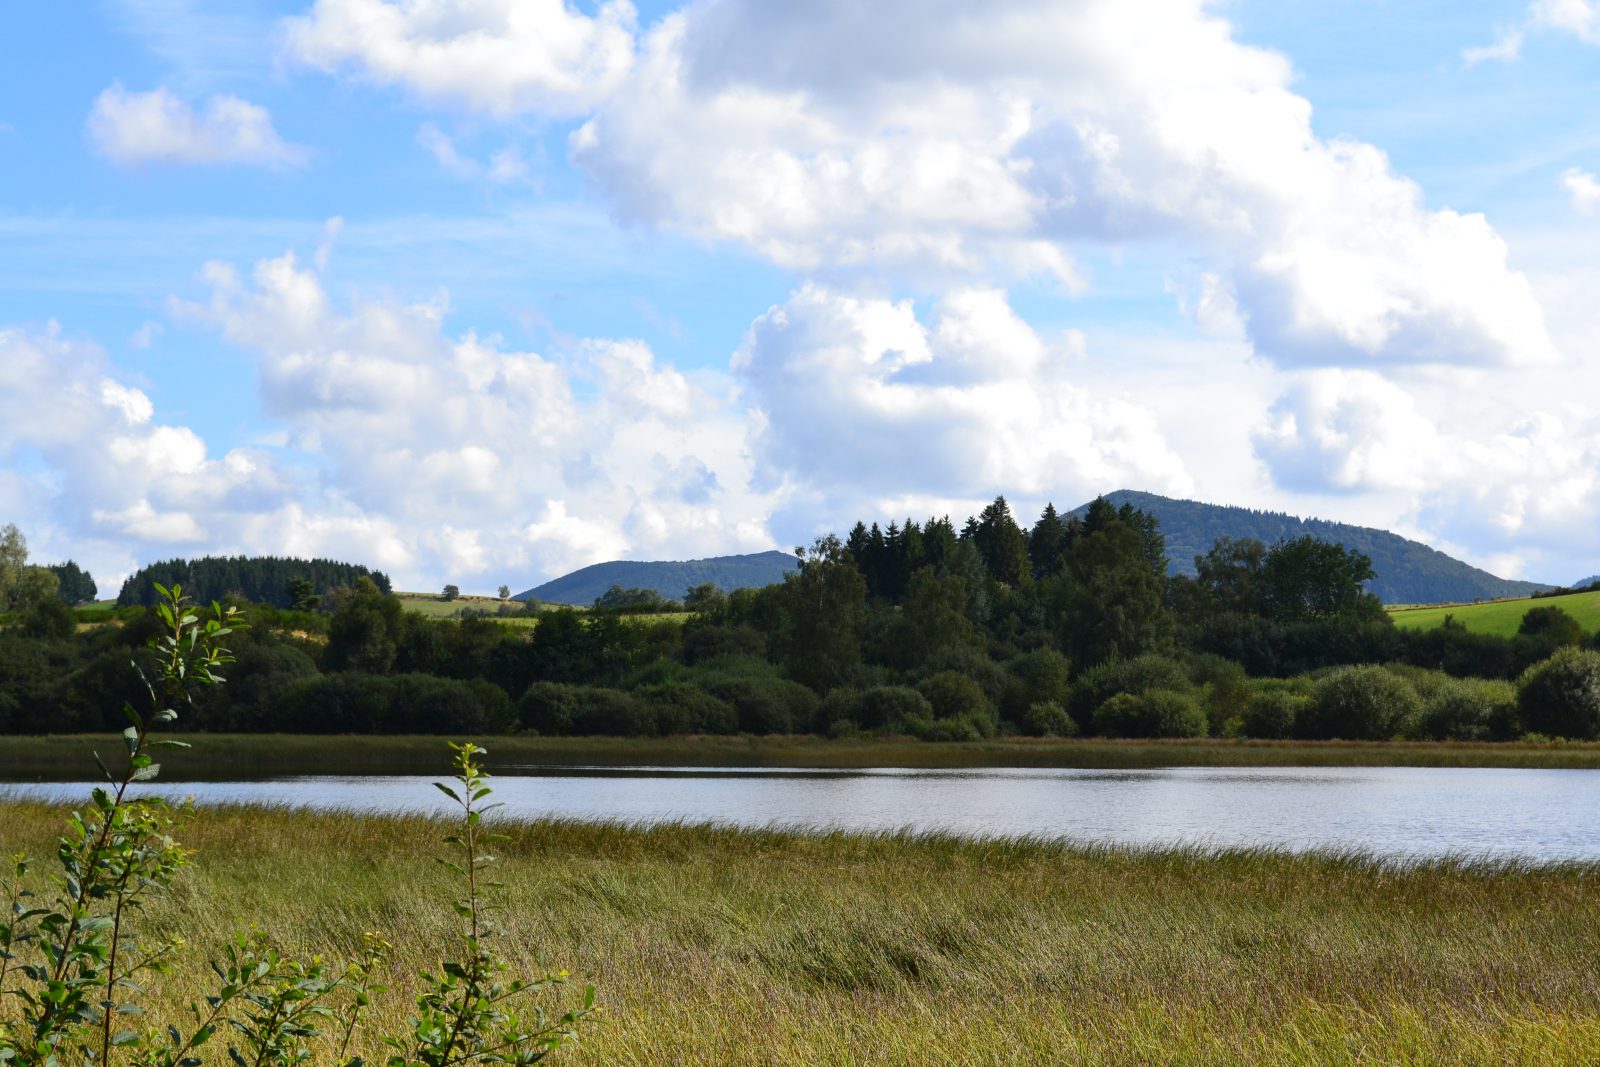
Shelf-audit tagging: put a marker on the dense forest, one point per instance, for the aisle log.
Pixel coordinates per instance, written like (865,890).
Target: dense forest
(1072,625)
(254,579)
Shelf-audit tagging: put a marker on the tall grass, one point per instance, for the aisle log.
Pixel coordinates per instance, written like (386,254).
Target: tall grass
(715,946)
(229,756)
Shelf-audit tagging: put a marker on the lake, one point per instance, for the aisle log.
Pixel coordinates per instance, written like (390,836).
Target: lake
(1394,812)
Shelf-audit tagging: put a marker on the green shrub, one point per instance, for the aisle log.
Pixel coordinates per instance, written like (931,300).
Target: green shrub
(1047,718)
(1360,704)
(890,707)
(1271,714)
(1473,709)
(1561,696)
(1039,677)
(548,708)
(612,712)
(953,695)
(767,705)
(1137,675)
(685,708)
(1156,713)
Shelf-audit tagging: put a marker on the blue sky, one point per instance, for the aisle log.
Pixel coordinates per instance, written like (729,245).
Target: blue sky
(480,290)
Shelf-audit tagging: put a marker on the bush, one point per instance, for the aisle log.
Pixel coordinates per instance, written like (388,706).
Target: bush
(344,703)
(1470,710)
(953,695)
(548,708)
(1561,696)
(766,705)
(1157,713)
(961,728)
(1360,704)
(685,708)
(612,712)
(1137,676)
(1271,714)
(1049,719)
(1038,677)
(890,707)
(1553,624)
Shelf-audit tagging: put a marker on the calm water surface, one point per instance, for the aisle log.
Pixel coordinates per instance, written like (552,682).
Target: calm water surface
(1395,812)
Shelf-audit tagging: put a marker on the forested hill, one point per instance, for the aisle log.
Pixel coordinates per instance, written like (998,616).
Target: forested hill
(259,579)
(1407,572)
(670,578)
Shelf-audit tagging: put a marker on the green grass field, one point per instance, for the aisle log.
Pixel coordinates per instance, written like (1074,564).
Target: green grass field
(1500,617)
(228,756)
(711,946)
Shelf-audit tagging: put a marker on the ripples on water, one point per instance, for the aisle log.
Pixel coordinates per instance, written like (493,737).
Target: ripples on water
(1391,812)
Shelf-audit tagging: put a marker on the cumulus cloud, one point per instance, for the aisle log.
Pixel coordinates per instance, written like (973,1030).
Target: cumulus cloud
(1582,188)
(862,404)
(537,463)
(105,467)
(971,142)
(1581,18)
(1511,493)
(132,128)
(504,57)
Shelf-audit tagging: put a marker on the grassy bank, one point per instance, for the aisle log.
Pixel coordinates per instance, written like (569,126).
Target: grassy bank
(223,756)
(717,947)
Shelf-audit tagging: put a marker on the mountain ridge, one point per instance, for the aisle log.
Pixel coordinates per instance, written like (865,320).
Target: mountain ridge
(670,578)
(1408,572)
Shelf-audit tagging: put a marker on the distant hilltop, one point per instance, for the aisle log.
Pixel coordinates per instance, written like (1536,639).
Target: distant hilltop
(670,578)
(1408,572)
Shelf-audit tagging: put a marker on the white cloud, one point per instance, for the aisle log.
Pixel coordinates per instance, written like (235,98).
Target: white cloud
(505,57)
(504,167)
(535,463)
(949,139)
(1349,430)
(864,405)
(106,472)
(131,128)
(1581,18)
(1510,494)
(1582,188)
(1506,47)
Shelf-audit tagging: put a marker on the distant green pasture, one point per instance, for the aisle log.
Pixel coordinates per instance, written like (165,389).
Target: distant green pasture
(1500,617)
(434,606)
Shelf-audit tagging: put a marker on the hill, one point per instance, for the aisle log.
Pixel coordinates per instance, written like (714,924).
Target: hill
(1503,617)
(1408,572)
(259,579)
(670,578)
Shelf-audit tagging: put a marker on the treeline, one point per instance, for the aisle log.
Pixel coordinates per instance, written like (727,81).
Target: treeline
(921,628)
(253,579)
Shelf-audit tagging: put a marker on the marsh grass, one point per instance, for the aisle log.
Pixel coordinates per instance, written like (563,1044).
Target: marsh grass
(230,756)
(717,946)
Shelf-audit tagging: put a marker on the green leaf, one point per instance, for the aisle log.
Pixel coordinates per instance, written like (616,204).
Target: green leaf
(131,737)
(147,773)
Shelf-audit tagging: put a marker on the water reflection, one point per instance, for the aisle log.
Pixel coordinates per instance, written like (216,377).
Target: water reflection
(1398,812)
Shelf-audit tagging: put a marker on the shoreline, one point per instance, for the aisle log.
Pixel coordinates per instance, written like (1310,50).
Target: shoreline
(68,757)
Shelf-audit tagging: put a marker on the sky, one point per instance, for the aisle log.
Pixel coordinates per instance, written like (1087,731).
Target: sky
(482,291)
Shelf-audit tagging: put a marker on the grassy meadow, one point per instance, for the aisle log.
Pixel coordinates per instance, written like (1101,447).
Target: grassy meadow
(712,946)
(1499,617)
(67,757)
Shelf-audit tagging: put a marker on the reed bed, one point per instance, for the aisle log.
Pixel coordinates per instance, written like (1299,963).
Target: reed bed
(718,946)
